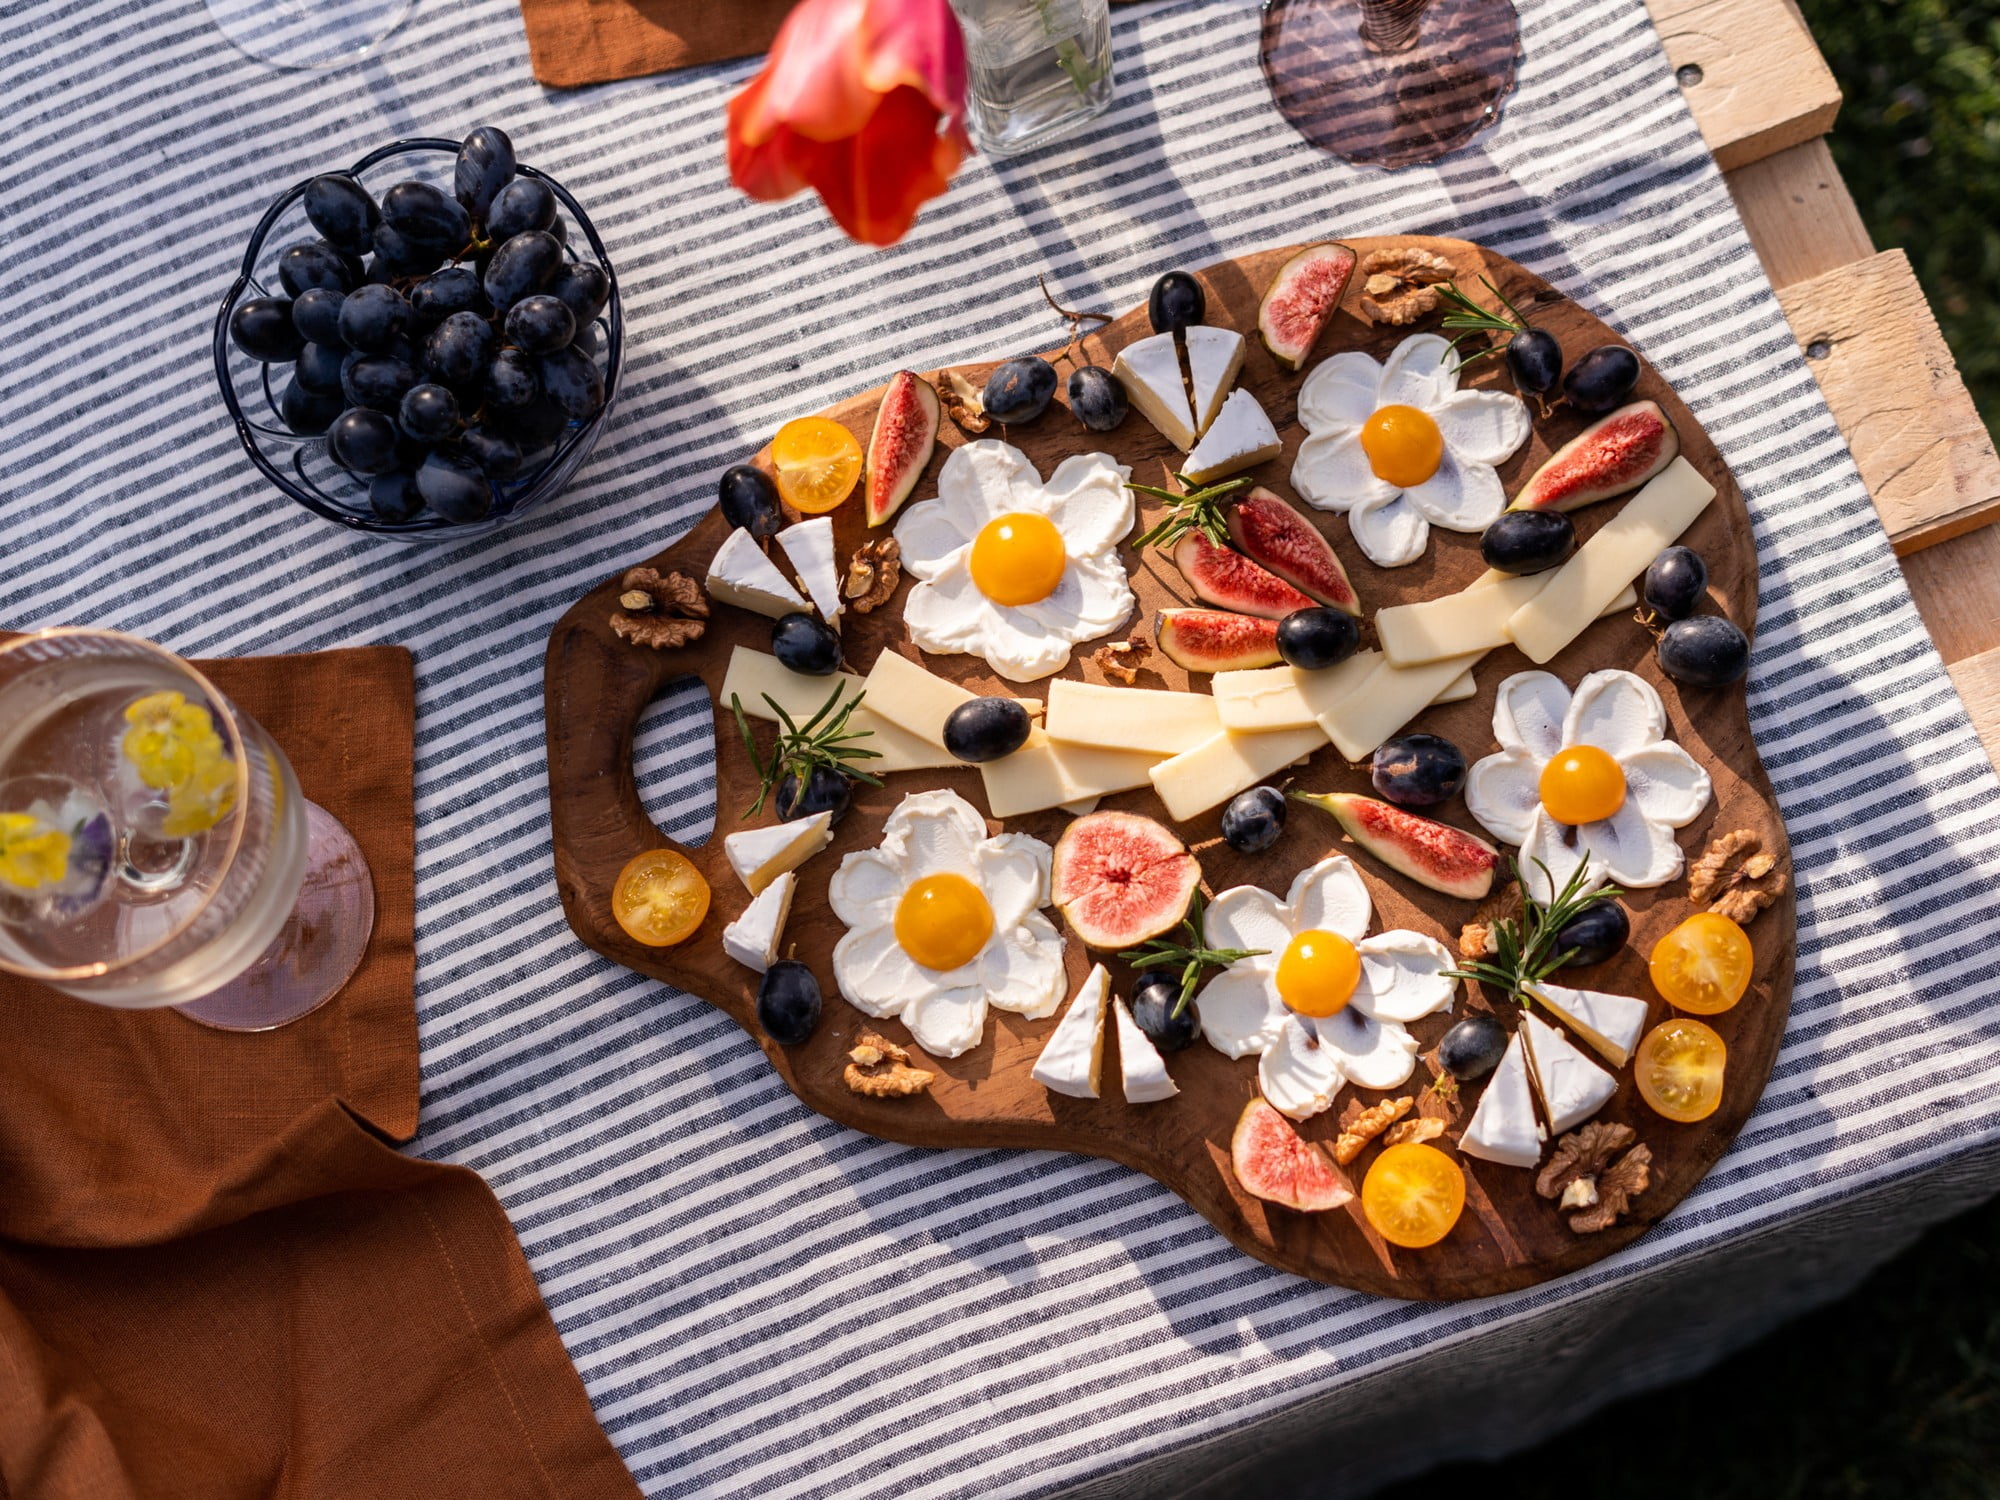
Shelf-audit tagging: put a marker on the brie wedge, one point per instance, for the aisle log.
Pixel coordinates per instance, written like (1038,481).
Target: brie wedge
(1150,371)
(752,939)
(1214,357)
(1070,1062)
(743,576)
(760,855)
(810,547)
(1611,1024)
(1504,1128)
(1573,1088)
(1145,1072)
(1240,437)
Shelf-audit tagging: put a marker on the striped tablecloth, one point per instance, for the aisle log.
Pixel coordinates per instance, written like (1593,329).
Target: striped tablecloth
(764,1303)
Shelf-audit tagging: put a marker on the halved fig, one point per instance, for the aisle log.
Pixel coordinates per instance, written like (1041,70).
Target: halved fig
(1119,878)
(1214,640)
(1614,454)
(1275,536)
(1431,853)
(906,429)
(1274,1162)
(1302,299)
(1229,580)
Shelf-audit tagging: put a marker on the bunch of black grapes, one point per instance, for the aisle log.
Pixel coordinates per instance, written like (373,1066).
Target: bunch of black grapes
(438,341)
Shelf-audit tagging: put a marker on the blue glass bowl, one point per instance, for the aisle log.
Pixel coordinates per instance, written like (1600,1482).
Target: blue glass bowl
(299,465)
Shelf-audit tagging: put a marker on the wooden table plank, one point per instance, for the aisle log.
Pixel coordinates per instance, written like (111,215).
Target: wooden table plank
(1800,216)
(1753,76)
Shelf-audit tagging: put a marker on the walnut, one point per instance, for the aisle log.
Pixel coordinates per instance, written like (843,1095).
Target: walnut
(963,402)
(1398,286)
(1476,938)
(1582,1153)
(1122,661)
(1579,1194)
(659,612)
(1366,1124)
(1582,1175)
(866,1074)
(1422,1128)
(1616,1188)
(872,574)
(1741,892)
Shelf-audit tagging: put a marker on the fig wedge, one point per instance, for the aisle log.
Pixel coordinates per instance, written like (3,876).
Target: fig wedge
(1612,455)
(1431,853)
(906,429)
(1275,536)
(1229,580)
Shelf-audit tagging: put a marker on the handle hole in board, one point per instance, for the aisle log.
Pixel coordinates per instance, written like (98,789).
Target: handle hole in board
(673,761)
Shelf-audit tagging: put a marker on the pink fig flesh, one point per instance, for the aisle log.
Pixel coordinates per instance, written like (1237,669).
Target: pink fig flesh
(1119,878)
(1614,454)
(1431,853)
(906,429)
(1213,640)
(1275,536)
(1301,301)
(1229,580)
(1274,1162)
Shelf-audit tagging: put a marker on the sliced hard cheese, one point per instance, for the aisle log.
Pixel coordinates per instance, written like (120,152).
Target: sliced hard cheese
(1044,774)
(742,575)
(1070,1061)
(910,698)
(1220,767)
(1239,438)
(1609,1023)
(1386,701)
(754,675)
(1462,687)
(1504,1128)
(1145,1073)
(1619,552)
(760,855)
(1214,357)
(752,939)
(1150,371)
(1119,718)
(1456,625)
(1573,1088)
(810,547)
(1268,698)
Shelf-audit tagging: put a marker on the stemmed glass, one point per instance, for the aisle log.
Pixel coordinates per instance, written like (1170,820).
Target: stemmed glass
(308,33)
(1390,83)
(155,849)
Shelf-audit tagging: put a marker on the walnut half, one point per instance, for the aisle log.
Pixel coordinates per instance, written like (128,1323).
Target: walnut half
(1366,1124)
(659,612)
(1583,1176)
(878,1069)
(1736,878)
(1399,286)
(1122,661)
(872,574)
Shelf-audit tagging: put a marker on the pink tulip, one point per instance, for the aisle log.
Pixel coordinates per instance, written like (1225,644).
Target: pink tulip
(862,101)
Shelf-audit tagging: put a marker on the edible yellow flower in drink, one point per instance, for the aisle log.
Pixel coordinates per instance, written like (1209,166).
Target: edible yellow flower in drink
(32,854)
(174,747)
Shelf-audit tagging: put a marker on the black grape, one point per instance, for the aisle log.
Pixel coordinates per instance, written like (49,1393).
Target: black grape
(301,267)
(262,328)
(534,426)
(540,324)
(497,456)
(583,288)
(454,488)
(521,266)
(308,412)
(376,381)
(485,166)
(453,290)
(572,382)
(423,215)
(316,315)
(362,441)
(428,413)
(342,211)
(459,349)
(525,203)
(510,380)
(394,496)
(318,368)
(405,256)
(371,318)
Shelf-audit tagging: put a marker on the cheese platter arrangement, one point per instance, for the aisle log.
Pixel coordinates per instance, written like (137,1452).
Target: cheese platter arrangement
(1289,740)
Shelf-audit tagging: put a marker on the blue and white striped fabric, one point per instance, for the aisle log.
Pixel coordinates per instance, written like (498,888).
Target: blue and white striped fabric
(761,1302)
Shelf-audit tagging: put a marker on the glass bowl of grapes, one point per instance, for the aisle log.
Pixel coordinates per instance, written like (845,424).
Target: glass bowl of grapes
(425,345)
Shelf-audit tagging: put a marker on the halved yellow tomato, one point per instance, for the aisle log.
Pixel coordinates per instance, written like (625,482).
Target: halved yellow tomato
(660,898)
(818,463)
(1703,965)
(1679,1069)
(1413,1194)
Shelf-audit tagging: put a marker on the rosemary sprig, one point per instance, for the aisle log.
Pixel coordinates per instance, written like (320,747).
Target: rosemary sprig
(800,749)
(1193,508)
(1191,957)
(1527,943)
(1467,318)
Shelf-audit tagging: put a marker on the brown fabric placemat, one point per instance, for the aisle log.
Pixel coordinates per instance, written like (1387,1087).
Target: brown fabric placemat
(217,1278)
(576,42)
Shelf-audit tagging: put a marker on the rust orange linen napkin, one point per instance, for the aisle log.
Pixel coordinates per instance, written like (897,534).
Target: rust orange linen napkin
(575,42)
(217,1277)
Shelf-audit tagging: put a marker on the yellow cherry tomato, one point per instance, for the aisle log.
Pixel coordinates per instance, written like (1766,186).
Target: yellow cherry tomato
(660,898)
(1679,1068)
(1018,559)
(1413,1194)
(1582,784)
(943,921)
(1403,445)
(1703,965)
(818,463)
(1317,973)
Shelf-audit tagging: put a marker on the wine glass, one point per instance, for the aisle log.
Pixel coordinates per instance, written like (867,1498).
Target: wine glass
(155,849)
(308,33)
(1390,83)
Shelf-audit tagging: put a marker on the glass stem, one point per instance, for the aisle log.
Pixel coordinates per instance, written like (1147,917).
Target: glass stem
(1391,25)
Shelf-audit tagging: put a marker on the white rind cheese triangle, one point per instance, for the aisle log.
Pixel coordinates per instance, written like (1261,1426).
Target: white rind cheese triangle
(810,547)
(752,939)
(1150,371)
(1074,1054)
(1145,1071)
(1504,1128)
(760,855)
(1573,1088)
(1240,437)
(1214,357)
(1611,1024)
(743,576)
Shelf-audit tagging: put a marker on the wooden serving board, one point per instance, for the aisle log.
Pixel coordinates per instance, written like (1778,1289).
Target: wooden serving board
(598,686)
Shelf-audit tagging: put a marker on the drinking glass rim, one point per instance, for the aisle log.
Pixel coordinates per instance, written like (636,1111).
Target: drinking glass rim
(218,704)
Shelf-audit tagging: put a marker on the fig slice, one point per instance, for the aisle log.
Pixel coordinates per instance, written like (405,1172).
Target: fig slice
(1229,580)
(1431,853)
(1276,537)
(1214,640)
(906,429)
(1612,455)
(1302,299)
(1274,1162)
(1120,878)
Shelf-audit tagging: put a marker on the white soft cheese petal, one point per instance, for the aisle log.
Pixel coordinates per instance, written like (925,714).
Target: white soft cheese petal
(1248,917)
(1239,1009)
(1014,873)
(938,832)
(1018,648)
(1093,599)
(947,1023)
(1299,1076)
(1021,968)
(1634,851)
(1615,710)
(929,539)
(947,614)
(1482,427)
(1143,1070)
(875,975)
(1459,496)
(1332,473)
(1529,710)
(1422,371)
(865,890)
(1666,783)
(1330,897)
(1403,976)
(986,479)
(1391,532)
(1550,854)
(1089,501)
(1340,394)
(1373,1054)
(1504,792)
